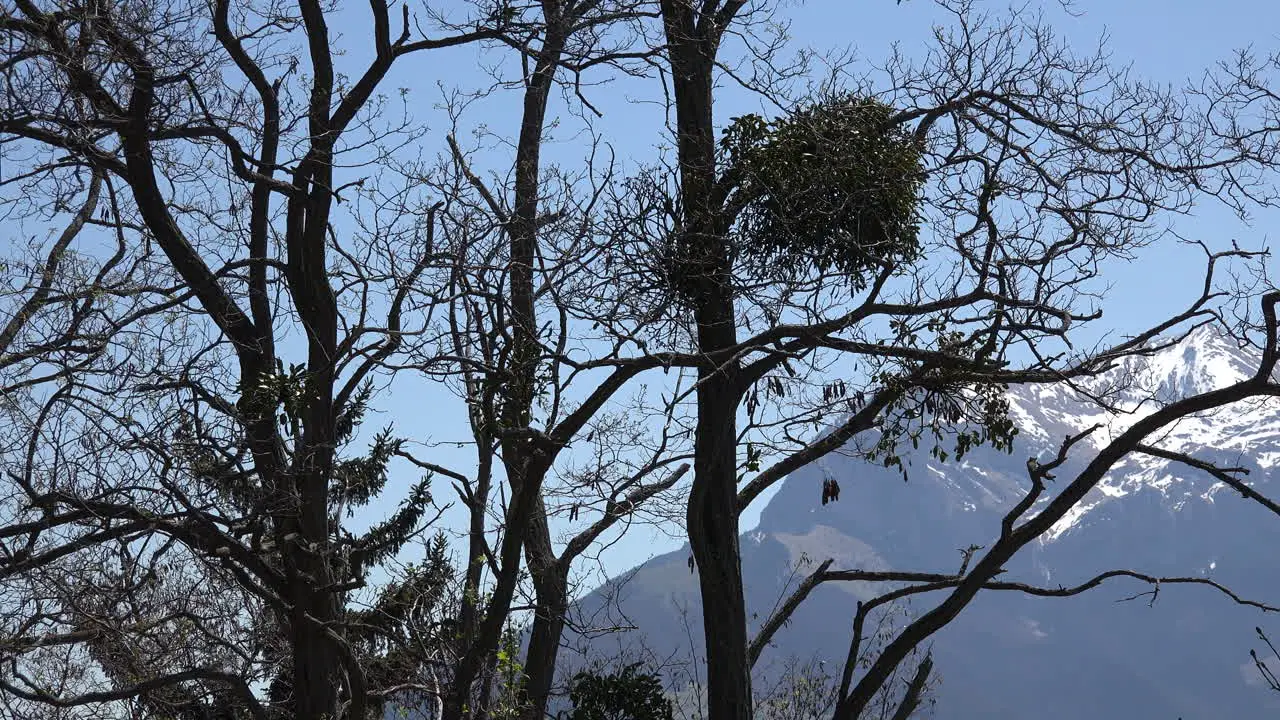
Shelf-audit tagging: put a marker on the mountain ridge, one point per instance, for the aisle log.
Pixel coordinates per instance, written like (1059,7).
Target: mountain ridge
(1147,515)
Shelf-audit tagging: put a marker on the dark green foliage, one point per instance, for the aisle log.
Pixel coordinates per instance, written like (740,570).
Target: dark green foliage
(944,398)
(401,633)
(832,187)
(353,412)
(386,538)
(360,479)
(413,601)
(357,481)
(626,695)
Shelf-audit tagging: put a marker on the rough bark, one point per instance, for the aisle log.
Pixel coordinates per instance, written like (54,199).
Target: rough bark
(712,517)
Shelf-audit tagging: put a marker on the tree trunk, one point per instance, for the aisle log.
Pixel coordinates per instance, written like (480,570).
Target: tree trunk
(316,667)
(713,535)
(705,268)
(526,466)
(550,580)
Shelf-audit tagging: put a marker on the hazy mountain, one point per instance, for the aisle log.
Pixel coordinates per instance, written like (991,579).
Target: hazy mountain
(1010,656)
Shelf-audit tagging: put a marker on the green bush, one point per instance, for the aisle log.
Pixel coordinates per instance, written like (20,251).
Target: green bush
(626,695)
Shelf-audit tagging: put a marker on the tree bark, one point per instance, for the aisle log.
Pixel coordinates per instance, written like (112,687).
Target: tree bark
(705,269)
(551,586)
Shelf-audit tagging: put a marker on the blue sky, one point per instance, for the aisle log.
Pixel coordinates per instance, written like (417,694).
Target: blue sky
(1164,41)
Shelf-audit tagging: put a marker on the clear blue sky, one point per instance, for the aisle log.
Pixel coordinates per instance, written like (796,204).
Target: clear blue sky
(1165,41)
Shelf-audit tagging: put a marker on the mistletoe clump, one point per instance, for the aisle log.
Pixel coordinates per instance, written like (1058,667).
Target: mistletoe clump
(834,186)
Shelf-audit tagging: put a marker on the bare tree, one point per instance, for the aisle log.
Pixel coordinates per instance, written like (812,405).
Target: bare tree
(1260,663)
(453,289)
(185,404)
(208,462)
(1015,169)
(521,239)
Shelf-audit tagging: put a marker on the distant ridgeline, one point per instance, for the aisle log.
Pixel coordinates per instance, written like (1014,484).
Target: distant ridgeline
(1010,656)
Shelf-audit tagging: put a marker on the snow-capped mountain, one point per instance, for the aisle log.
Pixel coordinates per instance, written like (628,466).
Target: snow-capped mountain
(1009,656)
(1244,434)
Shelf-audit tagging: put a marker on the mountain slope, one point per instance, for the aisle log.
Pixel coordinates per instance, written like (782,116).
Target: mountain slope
(1010,656)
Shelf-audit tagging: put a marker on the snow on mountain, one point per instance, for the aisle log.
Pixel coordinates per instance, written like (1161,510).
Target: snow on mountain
(1205,360)
(1010,656)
